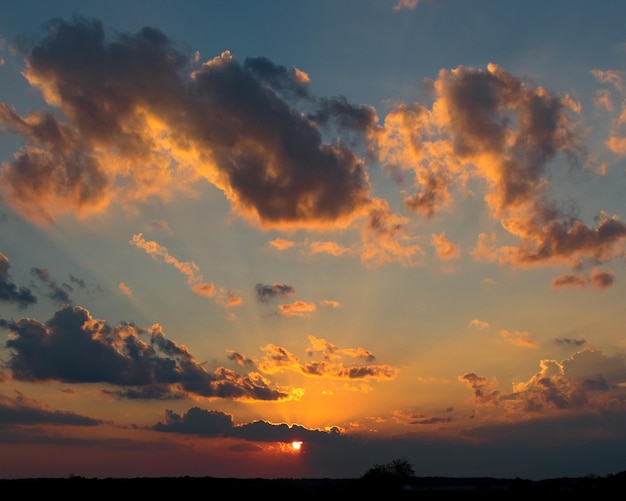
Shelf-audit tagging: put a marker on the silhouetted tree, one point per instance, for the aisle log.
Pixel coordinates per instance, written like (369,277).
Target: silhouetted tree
(393,475)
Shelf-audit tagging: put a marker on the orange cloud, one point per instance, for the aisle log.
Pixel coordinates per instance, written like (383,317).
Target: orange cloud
(331,352)
(406,4)
(228,298)
(444,248)
(126,290)
(120,142)
(281,244)
(479,324)
(519,338)
(485,392)
(297,309)
(187,268)
(468,132)
(197,122)
(332,248)
(278,359)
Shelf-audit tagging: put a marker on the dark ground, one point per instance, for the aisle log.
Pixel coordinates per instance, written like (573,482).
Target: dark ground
(604,488)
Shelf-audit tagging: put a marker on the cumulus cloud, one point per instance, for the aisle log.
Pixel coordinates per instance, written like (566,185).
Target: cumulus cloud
(332,352)
(74,347)
(488,124)
(9,291)
(331,365)
(588,380)
(140,119)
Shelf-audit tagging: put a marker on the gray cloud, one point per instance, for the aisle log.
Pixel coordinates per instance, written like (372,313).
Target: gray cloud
(73,347)
(265,293)
(265,154)
(212,423)
(20,411)
(9,291)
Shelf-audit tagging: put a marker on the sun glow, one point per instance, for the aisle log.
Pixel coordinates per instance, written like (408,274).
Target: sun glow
(296,445)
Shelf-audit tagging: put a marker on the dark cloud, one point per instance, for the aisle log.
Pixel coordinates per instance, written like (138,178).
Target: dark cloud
(73,347)
(570,341)
(597,279)
(78,281)
(240,359)
(197,421)
(266,293)
(265,154)
(11,293)
(432,420)
(291,83)
(58,293)
(211,423)
(21,411)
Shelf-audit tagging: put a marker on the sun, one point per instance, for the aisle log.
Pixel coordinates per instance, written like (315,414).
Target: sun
(296,445)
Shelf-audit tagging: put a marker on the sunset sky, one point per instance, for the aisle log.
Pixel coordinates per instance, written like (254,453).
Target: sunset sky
(384,229)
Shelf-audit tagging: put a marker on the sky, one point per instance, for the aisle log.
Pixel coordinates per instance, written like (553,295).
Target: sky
(299,239)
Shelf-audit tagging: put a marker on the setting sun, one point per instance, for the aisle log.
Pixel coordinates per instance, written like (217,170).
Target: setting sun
(296,445)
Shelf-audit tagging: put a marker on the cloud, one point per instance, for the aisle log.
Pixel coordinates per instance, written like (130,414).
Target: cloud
(485,392)
(281,244)
(277,359)
(520,338)
(58,293)
(327,247)
(187,268)
(444,248)
(125,289)
(73,347)
(412,418)
(240,359)
(332,352)
(26,412)
(479,324)
(488,124)
(11,293)
(266,293)
(113,140)
(587,380)
(597,279)
(228,298)
(211,423)
(569,341)
(297,309)
(148,107)
(406,4)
